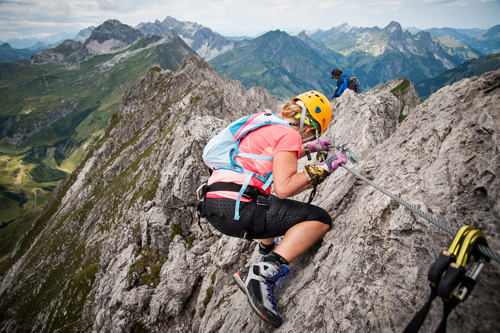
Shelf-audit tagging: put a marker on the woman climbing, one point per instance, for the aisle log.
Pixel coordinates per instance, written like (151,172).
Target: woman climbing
(240,204)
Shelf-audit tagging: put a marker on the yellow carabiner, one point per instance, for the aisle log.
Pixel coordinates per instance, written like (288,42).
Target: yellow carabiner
(462,258)
(455,245)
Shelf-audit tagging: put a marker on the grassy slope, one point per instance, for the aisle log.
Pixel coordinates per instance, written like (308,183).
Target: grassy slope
(456,49)
(71,280)
(278,62)
(33,92)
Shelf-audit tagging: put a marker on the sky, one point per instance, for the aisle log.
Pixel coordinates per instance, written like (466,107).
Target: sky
(43,18)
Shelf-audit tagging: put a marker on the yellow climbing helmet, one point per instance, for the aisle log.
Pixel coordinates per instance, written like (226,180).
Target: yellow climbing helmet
(318,107)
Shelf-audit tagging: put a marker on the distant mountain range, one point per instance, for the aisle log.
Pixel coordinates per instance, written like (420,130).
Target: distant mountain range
(281,63)
(485,41)
(54,107)
(470,68)
(210,44)
(204,41)
(9,54)
(284,65)
(373,55)
(26,43)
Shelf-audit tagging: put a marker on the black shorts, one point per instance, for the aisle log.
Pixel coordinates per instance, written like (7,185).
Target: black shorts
(280,216)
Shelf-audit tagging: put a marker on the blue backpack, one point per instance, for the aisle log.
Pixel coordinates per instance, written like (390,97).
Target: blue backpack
(221,150)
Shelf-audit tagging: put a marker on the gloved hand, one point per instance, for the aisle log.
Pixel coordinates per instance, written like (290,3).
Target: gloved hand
(333,162)
(320,145)
(317,173)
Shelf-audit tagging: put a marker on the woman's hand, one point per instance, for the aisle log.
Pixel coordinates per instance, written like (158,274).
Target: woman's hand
(320,145)
(317,173)
(333,162)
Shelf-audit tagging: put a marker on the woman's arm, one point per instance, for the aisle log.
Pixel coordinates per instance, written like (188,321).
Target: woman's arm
(302,152)
(287,182)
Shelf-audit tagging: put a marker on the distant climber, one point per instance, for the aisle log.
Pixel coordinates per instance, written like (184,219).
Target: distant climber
(239,203)
(344,81)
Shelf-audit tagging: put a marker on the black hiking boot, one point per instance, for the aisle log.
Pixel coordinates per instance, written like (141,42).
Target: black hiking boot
(258,283)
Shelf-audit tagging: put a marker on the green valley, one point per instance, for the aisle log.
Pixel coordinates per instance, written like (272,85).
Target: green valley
(53,113)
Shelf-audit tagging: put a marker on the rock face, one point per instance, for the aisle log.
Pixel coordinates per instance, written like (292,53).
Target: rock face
(404,90)
(121,248)
(55,54)
(111,36)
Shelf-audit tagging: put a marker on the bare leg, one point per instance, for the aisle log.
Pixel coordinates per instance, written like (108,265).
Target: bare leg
(267,241)
(299,238)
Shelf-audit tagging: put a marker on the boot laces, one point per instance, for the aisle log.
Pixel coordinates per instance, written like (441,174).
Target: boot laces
(270,281)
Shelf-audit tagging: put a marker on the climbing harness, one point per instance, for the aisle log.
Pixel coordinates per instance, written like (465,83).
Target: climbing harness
(260,201)
(448,273)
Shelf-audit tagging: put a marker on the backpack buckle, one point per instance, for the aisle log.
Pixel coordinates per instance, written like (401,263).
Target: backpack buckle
(263,201)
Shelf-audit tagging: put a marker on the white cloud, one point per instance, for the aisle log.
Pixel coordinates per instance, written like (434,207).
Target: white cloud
(439,1)
(243,17)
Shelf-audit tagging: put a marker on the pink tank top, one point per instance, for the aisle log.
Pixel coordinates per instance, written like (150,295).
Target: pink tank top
(265,141)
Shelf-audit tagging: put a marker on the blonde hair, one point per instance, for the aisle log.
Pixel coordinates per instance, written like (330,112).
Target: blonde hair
(290,110)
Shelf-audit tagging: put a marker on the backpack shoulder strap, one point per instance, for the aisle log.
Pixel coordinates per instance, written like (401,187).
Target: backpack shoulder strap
(252,123)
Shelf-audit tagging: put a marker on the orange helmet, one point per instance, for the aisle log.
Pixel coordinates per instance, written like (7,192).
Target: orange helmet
(318,107)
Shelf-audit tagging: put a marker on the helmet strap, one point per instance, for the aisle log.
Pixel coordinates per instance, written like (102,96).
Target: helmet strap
(309,138)
(302,117)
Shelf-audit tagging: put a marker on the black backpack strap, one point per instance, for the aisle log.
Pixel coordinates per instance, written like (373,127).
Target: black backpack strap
(259,220)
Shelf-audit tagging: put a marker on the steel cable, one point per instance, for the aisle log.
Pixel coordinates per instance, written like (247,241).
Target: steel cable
(483,249)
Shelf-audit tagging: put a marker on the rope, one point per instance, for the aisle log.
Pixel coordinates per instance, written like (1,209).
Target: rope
(483,249)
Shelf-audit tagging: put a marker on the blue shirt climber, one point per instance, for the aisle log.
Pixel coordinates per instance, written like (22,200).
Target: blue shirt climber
(341,81)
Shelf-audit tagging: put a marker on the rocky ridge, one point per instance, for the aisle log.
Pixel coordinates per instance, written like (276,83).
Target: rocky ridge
(56,54)
(124,229)
(203,40)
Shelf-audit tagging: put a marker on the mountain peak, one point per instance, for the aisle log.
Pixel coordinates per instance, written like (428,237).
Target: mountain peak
(109,37)
(301,34)
(344,27)
(114,29)
(393,26)
(6,46)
